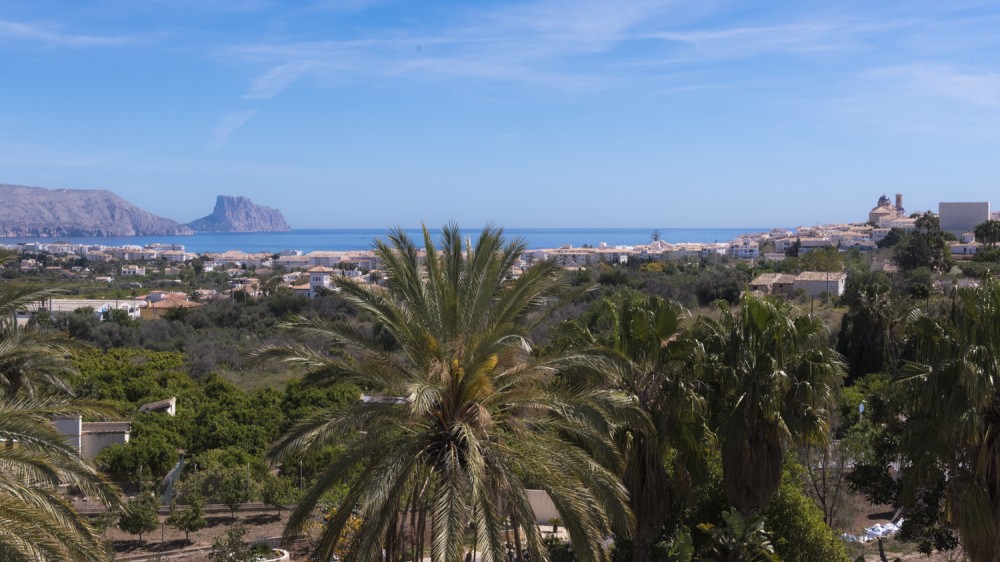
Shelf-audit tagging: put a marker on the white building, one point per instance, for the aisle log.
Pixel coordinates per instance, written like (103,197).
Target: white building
(959,218)
(744,249)
(176,256)
(572,257)
(88,438)
(965,249)
(815,283)
(319,280)
(806,243)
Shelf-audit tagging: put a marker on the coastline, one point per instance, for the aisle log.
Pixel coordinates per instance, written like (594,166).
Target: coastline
(308,240)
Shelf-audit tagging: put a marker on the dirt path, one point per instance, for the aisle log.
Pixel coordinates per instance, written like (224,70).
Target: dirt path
(260,526)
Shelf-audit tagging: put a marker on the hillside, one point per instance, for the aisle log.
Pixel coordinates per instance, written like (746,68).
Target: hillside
(37,211)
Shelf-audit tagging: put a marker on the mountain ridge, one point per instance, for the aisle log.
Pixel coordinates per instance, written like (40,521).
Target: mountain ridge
(39,211)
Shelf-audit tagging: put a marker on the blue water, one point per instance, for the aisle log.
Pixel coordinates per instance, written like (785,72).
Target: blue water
(309,240)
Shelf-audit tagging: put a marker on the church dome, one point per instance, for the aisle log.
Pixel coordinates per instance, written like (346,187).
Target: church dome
(884,201)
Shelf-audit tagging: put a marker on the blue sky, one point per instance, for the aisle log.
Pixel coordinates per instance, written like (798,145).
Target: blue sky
(368,113)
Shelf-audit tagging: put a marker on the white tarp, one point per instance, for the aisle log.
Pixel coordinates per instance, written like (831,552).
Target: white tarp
(877,531)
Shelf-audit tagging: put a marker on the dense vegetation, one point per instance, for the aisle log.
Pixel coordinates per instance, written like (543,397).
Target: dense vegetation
(655,403)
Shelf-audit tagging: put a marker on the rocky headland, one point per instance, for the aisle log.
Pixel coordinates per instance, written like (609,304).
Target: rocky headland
(240,214)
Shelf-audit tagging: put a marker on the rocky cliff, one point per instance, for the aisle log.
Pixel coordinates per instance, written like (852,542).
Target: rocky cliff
(36,211)
(239,214)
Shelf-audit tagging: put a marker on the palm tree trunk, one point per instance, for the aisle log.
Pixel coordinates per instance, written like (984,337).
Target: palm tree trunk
(752,472)
(646,480)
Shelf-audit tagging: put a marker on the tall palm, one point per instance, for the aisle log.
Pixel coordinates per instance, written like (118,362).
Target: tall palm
(463,418)
(646,334)
(772,378)
(869,331)
(36,522)
(31,361)
(952,432)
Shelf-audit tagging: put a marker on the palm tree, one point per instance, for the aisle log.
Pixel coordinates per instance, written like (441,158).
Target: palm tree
(36,522)
(951,434)
(771,378)
(458,422)
(646,334)
(871,329)
(30,360)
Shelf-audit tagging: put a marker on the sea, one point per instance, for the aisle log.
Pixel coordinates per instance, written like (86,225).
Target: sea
(310,240)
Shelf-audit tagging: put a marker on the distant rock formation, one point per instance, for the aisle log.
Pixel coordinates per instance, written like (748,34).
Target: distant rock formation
(239,214)
(37,211)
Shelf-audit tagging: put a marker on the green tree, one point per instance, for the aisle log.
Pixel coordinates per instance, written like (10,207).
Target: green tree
(950,434)
(278,492)
(463,418)
(824,259)
(35,459)
(798,530)
(871,330)
(31,361)
(989,255)
(925,247)
(190,519)
(772,378)
(233,486)
(646,333)
(988,233)
(232,548)
(151,454)
(139,516)
(794,249)
(892,238)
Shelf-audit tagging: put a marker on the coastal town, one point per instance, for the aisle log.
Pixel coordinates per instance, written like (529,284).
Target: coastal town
(309,274)
(499,281)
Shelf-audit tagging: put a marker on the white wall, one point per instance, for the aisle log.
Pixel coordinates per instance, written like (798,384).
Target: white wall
(959,218)
(542,505)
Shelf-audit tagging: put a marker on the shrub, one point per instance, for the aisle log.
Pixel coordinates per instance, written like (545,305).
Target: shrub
(796,525)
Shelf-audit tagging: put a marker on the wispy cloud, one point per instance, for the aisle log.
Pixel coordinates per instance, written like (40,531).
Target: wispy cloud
(521,43)
(582,44)
(10,30)
(278,79)
(227,124)
(926,98)
(944,81)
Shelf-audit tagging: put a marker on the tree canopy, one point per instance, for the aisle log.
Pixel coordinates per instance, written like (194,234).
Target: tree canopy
(463,418)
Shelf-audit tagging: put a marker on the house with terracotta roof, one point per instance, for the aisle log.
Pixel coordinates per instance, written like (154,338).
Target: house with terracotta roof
(815,283)
(773,284)
(159,309)
(167,406)
(319,280)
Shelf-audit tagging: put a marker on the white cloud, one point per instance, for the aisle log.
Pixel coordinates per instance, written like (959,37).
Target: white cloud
(520,43)
(227,124)
(669,47)
(32,32)
(278,79)
(579,44)
(944,81)
(933,100)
